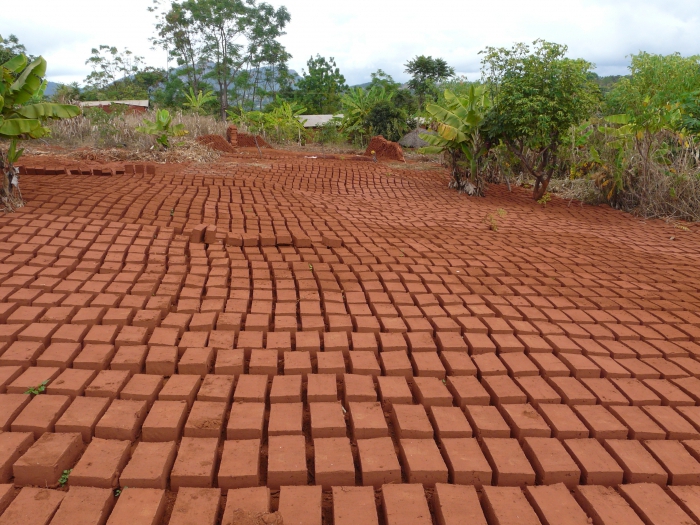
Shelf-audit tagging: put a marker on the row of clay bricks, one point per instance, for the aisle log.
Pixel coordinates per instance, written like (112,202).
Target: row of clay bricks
(529,457)
(129,169)
(289,459)
(408,504)
(640,381)
(562,407)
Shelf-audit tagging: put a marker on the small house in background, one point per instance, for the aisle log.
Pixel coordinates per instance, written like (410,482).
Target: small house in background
(316,121)
(131,106)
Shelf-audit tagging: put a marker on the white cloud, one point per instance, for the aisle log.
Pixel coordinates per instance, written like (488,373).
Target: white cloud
(365,35)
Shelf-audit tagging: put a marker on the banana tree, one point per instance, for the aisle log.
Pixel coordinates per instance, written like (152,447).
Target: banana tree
(21,84)
(286,120)
(162,128)
(196,102)
(459,124)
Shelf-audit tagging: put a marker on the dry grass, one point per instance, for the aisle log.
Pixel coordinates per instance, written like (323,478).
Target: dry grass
(97,129)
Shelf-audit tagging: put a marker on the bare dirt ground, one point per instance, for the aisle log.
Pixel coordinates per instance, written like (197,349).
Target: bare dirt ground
(276,338)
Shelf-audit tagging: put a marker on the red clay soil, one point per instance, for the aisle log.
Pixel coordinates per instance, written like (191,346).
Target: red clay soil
(215,142)
(247,141)
(384,149)
(362,339)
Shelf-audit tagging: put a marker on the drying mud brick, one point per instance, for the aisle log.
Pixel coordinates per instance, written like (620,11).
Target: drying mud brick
(181,388)
(327,420)
(137,506)
(675,425)
(72,382)
(367,420)
(251,388)
(525,421)
(551,462)
(321,388)
(487,422)
(164,421)
(600,422)
(333,462)
(246,421)
(430,391)
(509,463)
(301,505)
(40,415)
(411,422)
(682,468)
(122,420)
(196,505)
(654,505)
(359,388)
(597,466)
(206,420)
(636,461)
(454,505)
(422,461)
(506,505)
(605,506)
(101,464)
(108,383)
(32,505)
(286,464)
(638,423)
(394,390)
(195,464)
(467,391)
(84,506)
(466,463)
(555,505)
(405,505)
(563,421)
(285,419)
(13,445)
(354,506)
(43,464)
(378,462)
(687,498)
(240,464)
(244,503)
(449,422)
(149,466)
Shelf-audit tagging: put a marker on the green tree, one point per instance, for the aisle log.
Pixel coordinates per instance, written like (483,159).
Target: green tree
(656,88)
(388,120)
(426,73)
(384,80)
(10,48)
(178,35)
(537,94)
(320,89)
(109,65)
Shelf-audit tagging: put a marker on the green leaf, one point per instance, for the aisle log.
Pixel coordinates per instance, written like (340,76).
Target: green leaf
(48,110)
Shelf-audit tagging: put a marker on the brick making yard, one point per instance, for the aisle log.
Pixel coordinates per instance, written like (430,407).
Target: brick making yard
(279,339)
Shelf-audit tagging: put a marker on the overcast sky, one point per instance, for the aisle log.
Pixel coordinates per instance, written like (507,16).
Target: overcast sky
(364,35)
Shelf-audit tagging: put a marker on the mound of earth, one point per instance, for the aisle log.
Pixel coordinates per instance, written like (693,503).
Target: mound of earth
(247,141)
(215,142)
(413,140)
(384,149)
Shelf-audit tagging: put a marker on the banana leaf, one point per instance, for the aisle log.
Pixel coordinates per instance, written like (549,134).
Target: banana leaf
(47,110)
